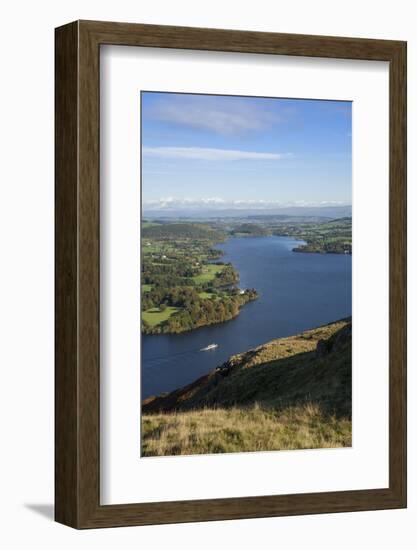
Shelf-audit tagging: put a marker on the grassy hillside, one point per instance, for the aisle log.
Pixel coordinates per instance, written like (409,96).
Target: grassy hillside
(291,393)
(243,429)
(181,230)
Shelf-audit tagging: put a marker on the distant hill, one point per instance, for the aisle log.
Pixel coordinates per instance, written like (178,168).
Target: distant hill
(290,393)
(180,230)
(250,229)
(201,213)
(339,221)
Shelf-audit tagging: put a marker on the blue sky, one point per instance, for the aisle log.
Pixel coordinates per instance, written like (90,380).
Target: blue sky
(239,152)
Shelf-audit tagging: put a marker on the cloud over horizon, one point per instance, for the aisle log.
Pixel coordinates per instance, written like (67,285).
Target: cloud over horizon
(208,153)
(235,147)
(217,203)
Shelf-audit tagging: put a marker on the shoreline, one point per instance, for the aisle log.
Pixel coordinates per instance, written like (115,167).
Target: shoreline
(264,320)
(250,295)
(283,348)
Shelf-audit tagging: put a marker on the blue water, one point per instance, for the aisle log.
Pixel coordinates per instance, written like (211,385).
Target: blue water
(296,292)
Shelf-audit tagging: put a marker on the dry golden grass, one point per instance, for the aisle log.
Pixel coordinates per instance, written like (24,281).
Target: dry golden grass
(283,348)
(282,395)
(253,428)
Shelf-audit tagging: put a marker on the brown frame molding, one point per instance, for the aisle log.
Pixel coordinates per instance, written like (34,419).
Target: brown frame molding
(77,359)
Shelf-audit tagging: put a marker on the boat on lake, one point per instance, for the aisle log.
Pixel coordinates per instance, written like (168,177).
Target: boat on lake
(209,347)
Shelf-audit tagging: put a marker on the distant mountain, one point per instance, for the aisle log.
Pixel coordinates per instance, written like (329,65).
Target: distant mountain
(316,211)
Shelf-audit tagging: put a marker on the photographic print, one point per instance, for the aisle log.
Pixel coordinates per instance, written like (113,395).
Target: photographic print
(246,274)
(203,274)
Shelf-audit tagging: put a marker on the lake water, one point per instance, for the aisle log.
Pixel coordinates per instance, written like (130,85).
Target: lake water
(297,291)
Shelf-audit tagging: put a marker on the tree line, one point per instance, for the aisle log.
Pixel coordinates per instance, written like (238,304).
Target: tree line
(197,312)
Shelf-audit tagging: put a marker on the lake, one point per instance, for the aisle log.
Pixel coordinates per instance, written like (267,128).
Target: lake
(297,291)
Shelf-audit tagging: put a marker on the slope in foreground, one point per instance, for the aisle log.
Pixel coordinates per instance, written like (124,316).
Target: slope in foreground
(291,393)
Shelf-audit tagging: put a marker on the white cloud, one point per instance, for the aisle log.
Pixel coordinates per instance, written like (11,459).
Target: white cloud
(217,203)
(205,153)
(218,115)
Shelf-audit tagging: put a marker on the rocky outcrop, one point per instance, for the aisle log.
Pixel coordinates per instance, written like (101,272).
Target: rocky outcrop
(335,343)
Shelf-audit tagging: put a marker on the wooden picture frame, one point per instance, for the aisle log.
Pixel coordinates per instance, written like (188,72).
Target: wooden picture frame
(77,405)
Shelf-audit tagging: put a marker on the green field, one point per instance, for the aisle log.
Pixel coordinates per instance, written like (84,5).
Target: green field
(205,295)
(178,271)
(331,237)
(154,316)
(151,247)
(209,273)
(146,288)
(146,223)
